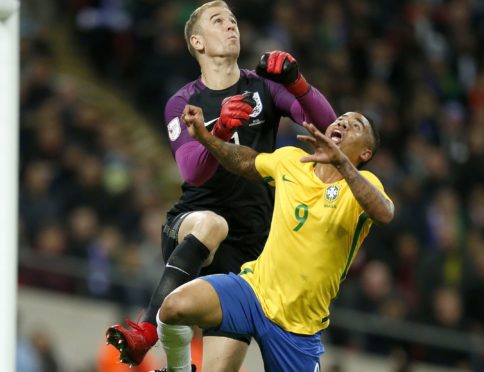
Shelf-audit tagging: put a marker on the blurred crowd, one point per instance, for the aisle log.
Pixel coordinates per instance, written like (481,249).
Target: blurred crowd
(36,353)
(83,195)
(415,67)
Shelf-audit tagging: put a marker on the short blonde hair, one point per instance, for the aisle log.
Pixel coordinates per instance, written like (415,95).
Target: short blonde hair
(191,24)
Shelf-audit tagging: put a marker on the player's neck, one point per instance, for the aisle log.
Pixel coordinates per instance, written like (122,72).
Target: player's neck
(219,73)
(327,173)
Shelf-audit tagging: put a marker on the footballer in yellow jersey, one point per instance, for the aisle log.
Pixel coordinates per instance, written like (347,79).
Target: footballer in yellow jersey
(316,231)
(324,207)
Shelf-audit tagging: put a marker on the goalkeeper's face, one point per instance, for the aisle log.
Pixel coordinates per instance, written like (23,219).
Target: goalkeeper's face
(218,33)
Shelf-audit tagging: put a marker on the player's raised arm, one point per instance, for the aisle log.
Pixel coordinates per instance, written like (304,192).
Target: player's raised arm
(195,163)
(237,159)
(344,148)
(293,95)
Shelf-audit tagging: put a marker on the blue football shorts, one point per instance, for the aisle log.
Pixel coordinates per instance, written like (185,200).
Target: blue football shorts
(243,316)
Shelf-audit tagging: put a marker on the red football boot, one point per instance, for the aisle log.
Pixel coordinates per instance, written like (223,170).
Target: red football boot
(134,343)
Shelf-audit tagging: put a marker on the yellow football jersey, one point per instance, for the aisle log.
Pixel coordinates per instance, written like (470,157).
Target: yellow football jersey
(316,231)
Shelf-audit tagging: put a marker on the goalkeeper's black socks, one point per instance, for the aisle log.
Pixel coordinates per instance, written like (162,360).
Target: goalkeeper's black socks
(183,265)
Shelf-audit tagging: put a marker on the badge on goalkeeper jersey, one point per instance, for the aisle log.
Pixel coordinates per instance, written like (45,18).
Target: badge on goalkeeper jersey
(174,129)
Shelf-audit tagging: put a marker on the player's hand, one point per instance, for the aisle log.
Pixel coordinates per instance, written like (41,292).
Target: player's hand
(282,68)
(325,150)
(193,118)
(235,112)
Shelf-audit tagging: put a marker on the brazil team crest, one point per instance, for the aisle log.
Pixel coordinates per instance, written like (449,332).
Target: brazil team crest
(332,193)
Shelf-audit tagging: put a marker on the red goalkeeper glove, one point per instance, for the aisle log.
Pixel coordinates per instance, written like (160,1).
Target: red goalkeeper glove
(282,68)
(235,112)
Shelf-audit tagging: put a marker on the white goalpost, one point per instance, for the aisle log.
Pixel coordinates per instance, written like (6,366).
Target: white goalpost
(9,129)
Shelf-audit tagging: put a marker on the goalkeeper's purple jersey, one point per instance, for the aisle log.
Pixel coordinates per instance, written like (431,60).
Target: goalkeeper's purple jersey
(247,206)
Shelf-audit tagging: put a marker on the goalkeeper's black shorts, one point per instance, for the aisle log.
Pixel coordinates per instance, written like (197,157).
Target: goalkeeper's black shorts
(232,253)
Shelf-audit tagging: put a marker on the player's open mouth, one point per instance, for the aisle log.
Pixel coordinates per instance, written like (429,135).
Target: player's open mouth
(336,136)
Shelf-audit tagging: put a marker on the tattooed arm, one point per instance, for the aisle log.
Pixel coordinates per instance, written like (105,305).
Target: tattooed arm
(235,158)
(372,200)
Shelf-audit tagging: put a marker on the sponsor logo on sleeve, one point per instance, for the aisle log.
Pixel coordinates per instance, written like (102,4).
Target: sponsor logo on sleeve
(174,129)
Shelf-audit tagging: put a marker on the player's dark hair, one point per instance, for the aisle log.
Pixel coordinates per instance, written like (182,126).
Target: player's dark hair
(375,141)
(190,25)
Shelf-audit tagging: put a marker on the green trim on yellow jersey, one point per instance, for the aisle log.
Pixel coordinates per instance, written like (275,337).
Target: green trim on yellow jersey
(269,180)
(245,271)
(359,227)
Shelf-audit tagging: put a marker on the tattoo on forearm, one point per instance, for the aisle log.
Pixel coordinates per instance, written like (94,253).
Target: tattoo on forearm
(237,159)
(370,198)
